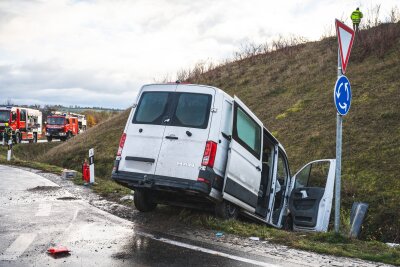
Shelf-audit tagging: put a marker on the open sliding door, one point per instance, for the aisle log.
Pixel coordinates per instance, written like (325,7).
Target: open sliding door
(243,171)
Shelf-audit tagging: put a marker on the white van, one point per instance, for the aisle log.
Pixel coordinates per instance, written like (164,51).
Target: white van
(196,146)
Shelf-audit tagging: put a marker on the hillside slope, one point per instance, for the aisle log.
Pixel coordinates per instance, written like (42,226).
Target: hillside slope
(291,90)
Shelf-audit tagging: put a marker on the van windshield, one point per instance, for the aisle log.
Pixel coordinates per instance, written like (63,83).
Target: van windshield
(4,115)
(175,109)
(56,120)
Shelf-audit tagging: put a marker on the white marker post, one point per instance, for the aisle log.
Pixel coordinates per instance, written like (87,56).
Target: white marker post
(91,165)
(9,152)
(345,39)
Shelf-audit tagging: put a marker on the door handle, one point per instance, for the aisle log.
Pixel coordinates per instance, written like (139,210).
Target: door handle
(171,137)
(258,168)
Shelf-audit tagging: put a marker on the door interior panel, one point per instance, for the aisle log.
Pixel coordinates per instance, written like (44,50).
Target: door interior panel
(305,205)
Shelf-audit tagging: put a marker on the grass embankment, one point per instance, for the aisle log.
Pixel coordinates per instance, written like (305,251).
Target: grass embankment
(291,91)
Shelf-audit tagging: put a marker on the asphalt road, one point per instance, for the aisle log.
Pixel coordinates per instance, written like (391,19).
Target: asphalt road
(36,214)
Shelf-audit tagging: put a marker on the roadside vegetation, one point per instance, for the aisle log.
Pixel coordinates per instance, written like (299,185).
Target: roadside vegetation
(289,86)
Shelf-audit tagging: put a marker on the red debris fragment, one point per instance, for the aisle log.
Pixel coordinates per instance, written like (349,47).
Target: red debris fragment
(57,250)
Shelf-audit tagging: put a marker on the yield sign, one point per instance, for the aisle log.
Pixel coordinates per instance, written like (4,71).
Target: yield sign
(345,38)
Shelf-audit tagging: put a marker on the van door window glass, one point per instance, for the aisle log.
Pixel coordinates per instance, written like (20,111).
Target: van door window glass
(151,108)
(282,170)
(192,110)
(313,175)
(247,132)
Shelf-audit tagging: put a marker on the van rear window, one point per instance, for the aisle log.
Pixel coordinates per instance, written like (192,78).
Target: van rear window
(174,109)
(151,108)
(192,110)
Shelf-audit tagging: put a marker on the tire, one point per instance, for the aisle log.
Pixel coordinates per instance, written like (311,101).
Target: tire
(35,138)
(49,138)
(143,201)
(288,223)
(226,210)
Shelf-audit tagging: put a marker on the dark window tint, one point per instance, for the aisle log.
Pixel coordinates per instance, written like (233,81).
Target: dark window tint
(151,108)
(4,116)
(313,175)
(192,110)
(247,132)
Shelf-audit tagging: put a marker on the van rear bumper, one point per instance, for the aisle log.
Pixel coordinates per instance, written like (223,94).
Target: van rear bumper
(136,180)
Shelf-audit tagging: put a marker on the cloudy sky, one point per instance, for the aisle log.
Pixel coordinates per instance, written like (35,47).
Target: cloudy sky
(99,53)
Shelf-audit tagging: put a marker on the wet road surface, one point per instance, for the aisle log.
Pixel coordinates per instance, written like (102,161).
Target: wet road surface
(36,214)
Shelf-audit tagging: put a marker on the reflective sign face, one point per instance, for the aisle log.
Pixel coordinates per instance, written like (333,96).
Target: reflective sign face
(342,95)
(91,152)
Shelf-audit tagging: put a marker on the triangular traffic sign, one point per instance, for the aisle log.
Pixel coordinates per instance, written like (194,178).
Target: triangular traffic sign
(345,39)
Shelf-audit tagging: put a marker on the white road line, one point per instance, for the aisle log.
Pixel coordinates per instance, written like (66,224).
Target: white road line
(44,210)
(18,247)
(209,251)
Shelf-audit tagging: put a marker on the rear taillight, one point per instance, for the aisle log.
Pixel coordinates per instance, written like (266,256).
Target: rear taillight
(209,154)
(121,144)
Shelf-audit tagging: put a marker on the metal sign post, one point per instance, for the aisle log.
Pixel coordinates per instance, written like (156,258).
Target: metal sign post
(9,152)
(91,165)
(339,120)
(342,98)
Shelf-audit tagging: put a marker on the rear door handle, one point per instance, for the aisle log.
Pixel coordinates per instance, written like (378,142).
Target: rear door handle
(171,137)
(258,168)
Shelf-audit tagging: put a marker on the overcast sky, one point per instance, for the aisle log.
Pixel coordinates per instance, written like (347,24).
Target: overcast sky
(99,53)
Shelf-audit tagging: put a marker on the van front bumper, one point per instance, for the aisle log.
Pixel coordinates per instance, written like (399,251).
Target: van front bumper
(136,180)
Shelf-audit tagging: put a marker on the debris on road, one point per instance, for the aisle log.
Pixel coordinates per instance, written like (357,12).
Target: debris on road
(127,197)
(254,238)
(219,234)
(68,174)
(58,250)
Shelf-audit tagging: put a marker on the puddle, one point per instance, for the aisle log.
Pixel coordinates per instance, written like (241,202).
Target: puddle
(67,198)
(43,188)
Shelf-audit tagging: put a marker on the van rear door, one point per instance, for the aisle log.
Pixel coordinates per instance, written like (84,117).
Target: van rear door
(187,132)
(243,171)
(145,132)
(310,201)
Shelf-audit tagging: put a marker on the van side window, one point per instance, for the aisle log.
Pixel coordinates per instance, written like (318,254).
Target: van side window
(151,108)
(192,110)
(313,175)
(247,132)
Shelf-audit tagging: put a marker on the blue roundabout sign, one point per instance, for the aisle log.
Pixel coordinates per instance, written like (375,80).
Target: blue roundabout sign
(342,95)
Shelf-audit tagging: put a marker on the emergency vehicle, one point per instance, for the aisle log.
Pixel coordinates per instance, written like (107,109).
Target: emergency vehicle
(26,123)
(61,126)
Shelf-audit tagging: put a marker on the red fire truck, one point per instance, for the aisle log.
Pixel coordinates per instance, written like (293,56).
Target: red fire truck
(26,123)
(61,126)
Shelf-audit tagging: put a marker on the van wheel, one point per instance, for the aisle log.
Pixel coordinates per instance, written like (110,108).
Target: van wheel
(226,210)
(143,201)
(288,223)
(49,139)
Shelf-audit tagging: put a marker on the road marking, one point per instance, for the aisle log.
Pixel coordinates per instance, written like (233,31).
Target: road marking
(18,247)
(44,210)
(206,250)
